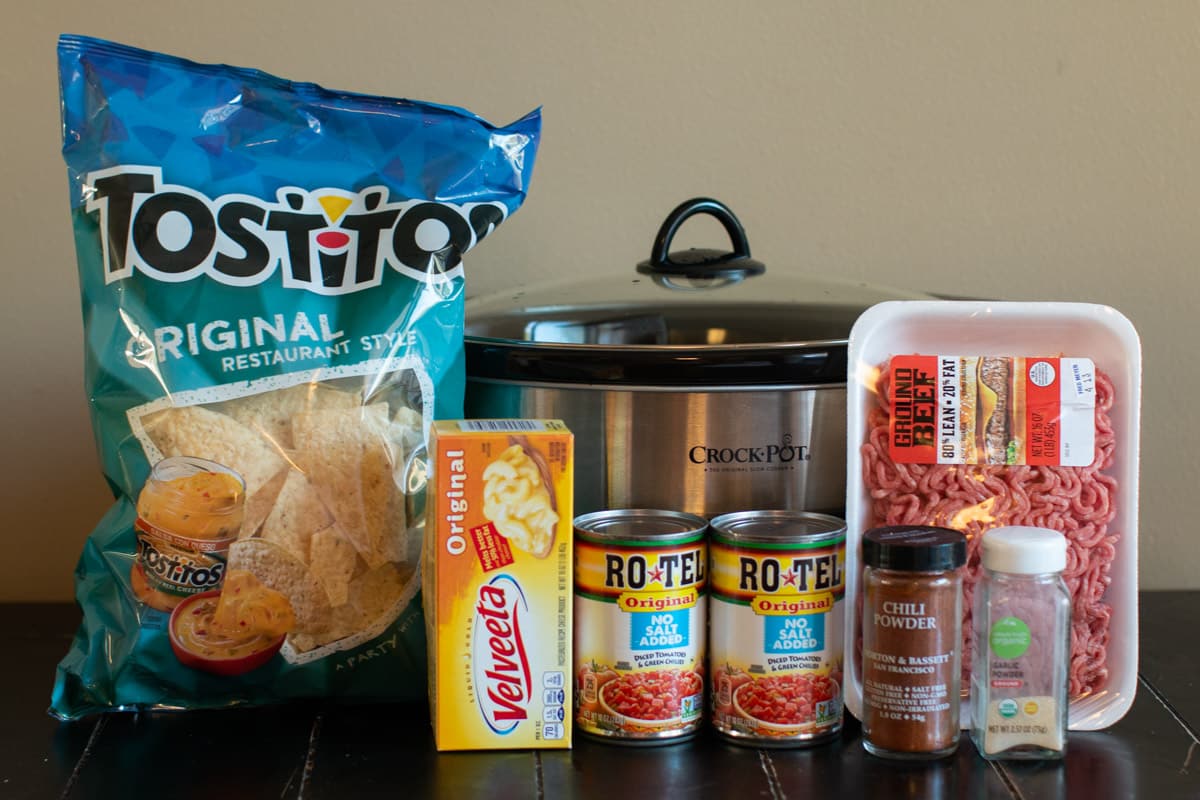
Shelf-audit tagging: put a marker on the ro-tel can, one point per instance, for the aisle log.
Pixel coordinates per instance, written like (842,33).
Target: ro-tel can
(775,626)
(640,624)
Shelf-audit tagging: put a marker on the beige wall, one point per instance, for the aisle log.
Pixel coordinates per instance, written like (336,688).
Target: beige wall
(1012,150)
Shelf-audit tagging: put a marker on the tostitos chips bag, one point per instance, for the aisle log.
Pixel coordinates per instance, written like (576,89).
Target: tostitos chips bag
(273,307)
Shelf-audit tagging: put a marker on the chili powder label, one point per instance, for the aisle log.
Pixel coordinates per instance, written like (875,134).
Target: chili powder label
(910,664)
(640,614)
(776,630)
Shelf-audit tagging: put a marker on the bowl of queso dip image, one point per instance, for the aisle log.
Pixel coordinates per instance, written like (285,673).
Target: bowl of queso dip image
(232,630)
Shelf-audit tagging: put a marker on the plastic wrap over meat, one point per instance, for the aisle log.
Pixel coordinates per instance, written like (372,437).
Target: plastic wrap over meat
(1077,501)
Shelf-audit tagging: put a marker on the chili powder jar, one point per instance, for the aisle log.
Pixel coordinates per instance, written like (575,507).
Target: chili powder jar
(912,640)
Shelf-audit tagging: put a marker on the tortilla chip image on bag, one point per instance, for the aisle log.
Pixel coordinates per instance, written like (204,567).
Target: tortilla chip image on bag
(272,283)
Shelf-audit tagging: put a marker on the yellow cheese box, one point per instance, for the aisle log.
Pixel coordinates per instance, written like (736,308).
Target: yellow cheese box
(497,586)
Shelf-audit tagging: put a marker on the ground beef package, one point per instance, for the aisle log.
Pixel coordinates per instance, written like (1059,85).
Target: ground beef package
(272,295)
(974,415)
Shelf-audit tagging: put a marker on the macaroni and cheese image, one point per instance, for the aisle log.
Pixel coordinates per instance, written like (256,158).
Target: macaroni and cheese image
(518,500)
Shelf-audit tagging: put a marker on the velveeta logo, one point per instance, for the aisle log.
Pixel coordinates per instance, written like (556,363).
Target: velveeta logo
(326,241)
(500,663)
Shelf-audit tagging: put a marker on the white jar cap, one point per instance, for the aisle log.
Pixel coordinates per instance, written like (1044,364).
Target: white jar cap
(1024,550)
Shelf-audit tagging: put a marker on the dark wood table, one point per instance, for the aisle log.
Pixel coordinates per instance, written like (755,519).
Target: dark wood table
(316,750)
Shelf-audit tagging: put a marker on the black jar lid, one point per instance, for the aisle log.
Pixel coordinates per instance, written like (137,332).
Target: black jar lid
(914,548)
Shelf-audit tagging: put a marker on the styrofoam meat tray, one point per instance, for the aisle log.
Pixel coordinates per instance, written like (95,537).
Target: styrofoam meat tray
(1009,329)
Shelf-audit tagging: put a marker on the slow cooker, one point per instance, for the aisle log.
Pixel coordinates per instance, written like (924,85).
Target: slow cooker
(699,382)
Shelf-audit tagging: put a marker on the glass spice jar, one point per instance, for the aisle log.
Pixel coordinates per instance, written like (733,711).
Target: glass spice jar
(911,640)
(1022,646)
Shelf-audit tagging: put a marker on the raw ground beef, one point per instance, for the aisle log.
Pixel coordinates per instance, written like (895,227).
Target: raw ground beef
(1078,501)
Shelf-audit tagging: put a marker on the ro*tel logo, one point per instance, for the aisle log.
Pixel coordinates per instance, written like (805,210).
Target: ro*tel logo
(500,663)
(327,241)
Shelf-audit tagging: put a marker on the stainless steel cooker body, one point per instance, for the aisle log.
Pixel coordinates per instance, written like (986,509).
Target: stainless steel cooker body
(705,451)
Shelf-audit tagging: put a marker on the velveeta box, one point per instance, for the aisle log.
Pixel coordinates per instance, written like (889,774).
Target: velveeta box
(497,583)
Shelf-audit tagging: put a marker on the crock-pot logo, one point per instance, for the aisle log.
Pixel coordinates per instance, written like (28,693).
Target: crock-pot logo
(500,663)
(328,241)
(783,453)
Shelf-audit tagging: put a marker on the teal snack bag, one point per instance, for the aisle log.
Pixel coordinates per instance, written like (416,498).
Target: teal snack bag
(272,285)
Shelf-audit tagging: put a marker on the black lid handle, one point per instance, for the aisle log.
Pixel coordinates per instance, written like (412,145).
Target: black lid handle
(702,263)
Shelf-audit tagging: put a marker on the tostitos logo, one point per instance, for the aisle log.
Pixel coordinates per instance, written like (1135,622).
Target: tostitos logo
(326,241)
(500,663)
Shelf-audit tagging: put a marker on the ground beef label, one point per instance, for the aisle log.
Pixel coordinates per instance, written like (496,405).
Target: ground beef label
(992,410)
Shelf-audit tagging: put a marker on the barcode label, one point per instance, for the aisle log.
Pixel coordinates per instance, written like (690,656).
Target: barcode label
(504,425)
